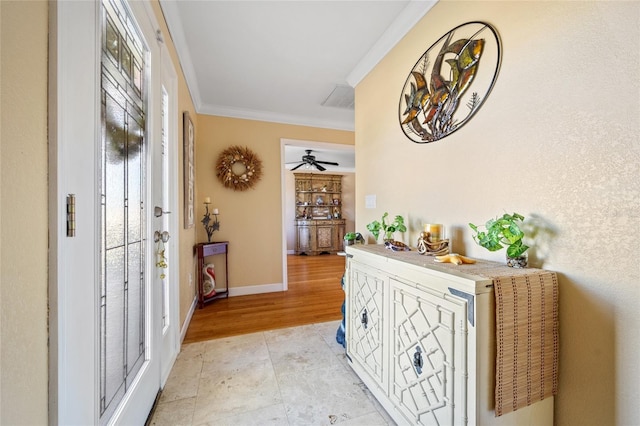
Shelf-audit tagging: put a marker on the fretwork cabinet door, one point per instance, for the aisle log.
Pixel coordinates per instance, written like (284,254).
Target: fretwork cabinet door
(428,366)
(367,288)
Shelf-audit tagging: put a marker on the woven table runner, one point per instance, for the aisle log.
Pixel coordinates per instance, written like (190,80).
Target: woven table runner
(526,339)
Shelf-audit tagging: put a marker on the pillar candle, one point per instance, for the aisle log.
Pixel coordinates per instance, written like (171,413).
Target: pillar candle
(215,211)
(207,200)
(436,230)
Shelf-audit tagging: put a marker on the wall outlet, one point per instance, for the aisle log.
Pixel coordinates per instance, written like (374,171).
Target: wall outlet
(190,280)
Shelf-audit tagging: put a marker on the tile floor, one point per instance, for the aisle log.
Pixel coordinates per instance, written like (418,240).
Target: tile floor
(293,376)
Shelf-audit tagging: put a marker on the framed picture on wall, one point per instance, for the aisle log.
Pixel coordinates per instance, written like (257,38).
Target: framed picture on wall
(189,170)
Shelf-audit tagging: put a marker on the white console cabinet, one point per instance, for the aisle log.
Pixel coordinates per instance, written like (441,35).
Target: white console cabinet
(421,336)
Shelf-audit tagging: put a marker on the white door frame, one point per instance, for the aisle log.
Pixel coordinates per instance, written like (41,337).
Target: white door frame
(283,189)
(170,346)
(73,112)
(74,128)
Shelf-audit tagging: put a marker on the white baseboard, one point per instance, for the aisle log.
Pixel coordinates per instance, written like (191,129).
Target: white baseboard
(187,320)
(255,289)
(291,252)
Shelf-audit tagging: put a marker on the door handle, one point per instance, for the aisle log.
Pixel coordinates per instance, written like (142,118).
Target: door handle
(417,360)
(364,319)
(157,212)
(161,236)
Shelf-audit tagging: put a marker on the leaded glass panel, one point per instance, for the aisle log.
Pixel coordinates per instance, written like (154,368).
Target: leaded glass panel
(122,194)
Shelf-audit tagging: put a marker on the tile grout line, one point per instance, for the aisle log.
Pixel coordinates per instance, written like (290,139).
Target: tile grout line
(273,368)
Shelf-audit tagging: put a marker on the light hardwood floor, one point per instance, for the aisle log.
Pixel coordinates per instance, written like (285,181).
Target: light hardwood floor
(315,295)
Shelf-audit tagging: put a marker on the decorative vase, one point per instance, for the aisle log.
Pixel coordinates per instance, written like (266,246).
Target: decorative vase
(518,262)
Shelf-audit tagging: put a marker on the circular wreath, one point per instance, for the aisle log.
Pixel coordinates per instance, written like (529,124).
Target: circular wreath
(238,168)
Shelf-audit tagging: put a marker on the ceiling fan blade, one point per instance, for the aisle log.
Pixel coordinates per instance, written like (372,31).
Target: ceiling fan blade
(297,167)
(322,169)
(331,163)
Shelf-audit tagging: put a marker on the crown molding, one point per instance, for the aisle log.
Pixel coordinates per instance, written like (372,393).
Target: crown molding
(249,114)
(406,20)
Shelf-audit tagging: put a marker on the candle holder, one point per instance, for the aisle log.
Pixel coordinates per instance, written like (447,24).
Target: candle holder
(431,242)
(210,226)
(426,246)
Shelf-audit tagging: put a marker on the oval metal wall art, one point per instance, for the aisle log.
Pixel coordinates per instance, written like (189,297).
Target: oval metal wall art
(450,82)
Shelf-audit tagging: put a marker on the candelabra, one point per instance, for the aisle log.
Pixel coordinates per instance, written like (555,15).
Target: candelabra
(210,226)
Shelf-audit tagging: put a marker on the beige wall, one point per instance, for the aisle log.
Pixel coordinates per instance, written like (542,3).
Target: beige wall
(250,220)
(23,213)
(558,141)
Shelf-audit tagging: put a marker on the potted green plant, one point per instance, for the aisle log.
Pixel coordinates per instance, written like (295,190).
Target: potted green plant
(387,228)
(500,232)
(351,238)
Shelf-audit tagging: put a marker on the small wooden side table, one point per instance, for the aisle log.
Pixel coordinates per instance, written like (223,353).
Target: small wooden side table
(203,250)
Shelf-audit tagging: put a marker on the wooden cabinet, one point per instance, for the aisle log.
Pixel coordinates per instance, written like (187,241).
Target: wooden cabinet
(202,251)
(318,204)
(421,336)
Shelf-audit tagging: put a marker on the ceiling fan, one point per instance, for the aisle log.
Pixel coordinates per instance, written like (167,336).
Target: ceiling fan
(310,160)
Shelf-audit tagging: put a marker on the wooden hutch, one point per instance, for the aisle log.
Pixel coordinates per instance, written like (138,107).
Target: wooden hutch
(318,213)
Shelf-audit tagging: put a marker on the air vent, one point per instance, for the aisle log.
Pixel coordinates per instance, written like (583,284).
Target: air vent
(342,96)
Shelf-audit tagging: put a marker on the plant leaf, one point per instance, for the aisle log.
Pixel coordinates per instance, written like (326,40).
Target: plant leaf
(489,242)
(374,228)
(516,249)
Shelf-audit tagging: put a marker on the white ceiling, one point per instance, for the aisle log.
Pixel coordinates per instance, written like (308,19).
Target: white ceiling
(278,61)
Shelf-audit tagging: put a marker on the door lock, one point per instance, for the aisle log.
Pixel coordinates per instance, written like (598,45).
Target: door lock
(157,211)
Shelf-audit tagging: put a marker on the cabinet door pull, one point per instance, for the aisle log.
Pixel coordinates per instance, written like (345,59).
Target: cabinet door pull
(364,320)
(417,360)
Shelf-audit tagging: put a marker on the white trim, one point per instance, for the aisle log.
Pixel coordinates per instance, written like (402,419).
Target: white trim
(404,22)
(272,117)
(73,112)
(170,80)
(283,215)
(182,49)
(255,289)
(319,145)
(187,320)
